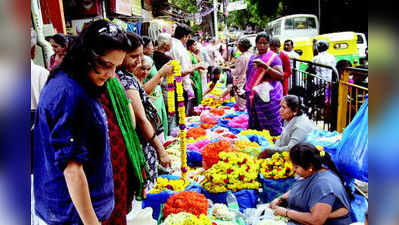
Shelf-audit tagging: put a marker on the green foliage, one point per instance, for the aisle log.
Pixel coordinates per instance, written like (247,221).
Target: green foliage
(259,12)
(189,5)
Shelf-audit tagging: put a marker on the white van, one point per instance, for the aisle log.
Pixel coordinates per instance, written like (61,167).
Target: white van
(361,45)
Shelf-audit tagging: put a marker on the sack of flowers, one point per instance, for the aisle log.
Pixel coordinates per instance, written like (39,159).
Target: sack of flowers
(166,186)
(237,172)
(276,175)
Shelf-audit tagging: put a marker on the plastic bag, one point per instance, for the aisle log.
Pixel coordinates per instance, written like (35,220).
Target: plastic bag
(194,159)
(329,140)
(359,208)
(246,198)
(274,188)
(352,152)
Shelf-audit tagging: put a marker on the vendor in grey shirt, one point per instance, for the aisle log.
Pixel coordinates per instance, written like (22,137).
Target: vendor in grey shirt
(297,126)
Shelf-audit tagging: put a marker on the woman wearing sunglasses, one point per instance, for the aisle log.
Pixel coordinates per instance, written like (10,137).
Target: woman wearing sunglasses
(73,181)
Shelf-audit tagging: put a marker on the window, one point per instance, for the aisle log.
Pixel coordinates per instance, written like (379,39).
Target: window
(304,23)
(278,28)
(289,24)
(341,46)
(300,23)
(311,22)
(360,39)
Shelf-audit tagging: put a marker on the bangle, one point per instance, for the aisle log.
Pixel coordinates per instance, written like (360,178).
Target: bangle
(286,213)
(155,134)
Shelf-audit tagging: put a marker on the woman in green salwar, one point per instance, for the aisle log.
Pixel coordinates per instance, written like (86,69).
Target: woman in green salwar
(154,90)
(196,76)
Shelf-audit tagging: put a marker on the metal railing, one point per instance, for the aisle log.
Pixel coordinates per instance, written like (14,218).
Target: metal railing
(317,85)
(352,94)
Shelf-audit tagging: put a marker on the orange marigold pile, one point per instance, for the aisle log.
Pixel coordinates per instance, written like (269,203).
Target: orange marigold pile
(196,132)
(219,112)
(187,201)
(210,154)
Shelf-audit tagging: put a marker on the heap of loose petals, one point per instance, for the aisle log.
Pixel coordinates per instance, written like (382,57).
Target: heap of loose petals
(186,201)
(196,132)
(209,118)
(279,166)
(244,145)
(207,125)
(187,219)
(211,102)
(199,145)
(240,121)
(164,184)
(264,133)
(235,171)
(210,154)
(219,112)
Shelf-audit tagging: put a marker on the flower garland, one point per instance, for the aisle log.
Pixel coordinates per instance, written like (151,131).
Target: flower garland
(210,154)
(186,201)
(171,185)
(171,87)
(235,171)
(182,116)
(279,166)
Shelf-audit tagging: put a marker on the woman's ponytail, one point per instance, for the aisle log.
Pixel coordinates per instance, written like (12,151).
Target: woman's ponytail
(326,160)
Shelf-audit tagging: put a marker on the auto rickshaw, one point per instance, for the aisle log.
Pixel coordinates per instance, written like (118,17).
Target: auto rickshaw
(343,45)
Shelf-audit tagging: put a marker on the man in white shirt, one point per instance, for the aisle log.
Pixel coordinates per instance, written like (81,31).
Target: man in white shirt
(180,53)
(324,58)
(38,74)
(289,50)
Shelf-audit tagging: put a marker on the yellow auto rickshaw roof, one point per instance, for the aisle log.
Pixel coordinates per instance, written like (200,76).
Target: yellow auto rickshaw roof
(338,36)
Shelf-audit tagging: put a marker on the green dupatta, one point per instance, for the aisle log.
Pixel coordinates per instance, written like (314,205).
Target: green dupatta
(196,77)
(120,104)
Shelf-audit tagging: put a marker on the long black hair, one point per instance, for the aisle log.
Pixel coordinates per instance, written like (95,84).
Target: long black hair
(307,155)
(95,40)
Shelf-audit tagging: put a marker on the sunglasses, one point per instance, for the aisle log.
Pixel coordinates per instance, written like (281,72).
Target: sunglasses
(110,30)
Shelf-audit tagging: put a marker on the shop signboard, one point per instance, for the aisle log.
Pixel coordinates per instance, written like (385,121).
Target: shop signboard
(122,7)
(237,5)
(137,10)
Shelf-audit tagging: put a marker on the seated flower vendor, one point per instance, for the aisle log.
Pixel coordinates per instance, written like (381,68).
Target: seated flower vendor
(320,197)
(215,75)
(297,126)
